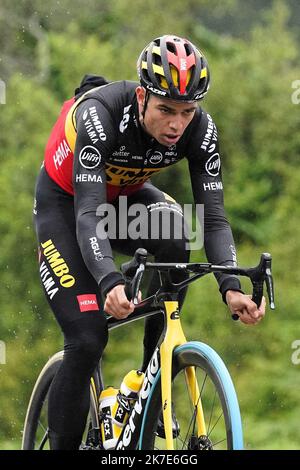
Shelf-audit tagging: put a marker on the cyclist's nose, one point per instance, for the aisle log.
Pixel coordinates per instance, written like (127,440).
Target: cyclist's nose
(176,124)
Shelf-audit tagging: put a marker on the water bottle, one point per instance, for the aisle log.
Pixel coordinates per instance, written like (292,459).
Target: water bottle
(111,427)
(115,407)
(132,384)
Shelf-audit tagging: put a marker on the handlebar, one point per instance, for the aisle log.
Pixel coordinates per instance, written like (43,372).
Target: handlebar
(259,275)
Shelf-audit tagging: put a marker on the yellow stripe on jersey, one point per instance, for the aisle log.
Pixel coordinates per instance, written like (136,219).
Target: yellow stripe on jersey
(70,128)
(120,176)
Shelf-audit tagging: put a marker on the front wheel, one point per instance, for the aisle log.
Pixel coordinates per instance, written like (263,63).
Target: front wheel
(218,402)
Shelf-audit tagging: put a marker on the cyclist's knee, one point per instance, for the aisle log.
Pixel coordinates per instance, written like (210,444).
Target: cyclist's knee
(86,338)
(173,250)
(174,236)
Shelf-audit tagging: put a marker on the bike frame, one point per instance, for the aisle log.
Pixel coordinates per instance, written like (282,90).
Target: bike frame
(160,366)
(175,337)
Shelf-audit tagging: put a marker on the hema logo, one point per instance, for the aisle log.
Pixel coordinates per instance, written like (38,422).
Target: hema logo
(2,92)
(2,353)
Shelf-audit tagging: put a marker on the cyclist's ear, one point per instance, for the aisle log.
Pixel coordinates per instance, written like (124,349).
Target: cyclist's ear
(140,95)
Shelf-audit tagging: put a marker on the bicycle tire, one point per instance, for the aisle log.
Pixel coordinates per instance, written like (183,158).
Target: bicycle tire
(37,401)
(204,358)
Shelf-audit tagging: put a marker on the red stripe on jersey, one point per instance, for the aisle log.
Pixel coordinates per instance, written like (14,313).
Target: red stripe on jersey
(58,155)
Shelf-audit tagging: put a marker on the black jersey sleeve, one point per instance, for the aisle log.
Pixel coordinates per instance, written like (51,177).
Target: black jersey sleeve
(94,142)
(207,185)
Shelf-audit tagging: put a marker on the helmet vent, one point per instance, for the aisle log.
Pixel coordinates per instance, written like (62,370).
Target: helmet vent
(171,48)
(188,49)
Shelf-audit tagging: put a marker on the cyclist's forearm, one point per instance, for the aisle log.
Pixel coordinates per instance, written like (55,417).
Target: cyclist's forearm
(97,253)
(220,249)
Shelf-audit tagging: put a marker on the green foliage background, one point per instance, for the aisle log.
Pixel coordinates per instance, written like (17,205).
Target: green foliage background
(252,48)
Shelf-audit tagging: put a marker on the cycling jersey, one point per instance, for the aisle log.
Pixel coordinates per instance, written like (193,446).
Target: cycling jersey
(98,150)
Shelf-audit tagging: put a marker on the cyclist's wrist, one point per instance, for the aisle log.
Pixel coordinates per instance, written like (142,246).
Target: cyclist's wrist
(230,283)
(109,281)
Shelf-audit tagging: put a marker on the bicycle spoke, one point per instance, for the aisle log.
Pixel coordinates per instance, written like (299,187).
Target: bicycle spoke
(192,420)
(211,413)
(203,385)
(215,424)
(181,442)
(44,440)
(42,426)
(214,444)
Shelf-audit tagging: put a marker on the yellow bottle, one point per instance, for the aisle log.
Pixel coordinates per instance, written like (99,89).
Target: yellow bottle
(110,428)
(132,384)
(115,407)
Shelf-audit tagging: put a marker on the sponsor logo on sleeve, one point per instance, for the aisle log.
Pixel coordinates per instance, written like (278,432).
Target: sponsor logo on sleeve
(90,157)
(93,125)
(213,186)
(96,249)
(87,302)
(88,178)
(213,165)
(211,134)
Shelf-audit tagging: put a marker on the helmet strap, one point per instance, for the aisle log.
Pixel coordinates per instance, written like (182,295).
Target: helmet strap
(147,96)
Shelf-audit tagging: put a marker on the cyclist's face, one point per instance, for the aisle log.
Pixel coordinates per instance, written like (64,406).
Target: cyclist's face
(165,119)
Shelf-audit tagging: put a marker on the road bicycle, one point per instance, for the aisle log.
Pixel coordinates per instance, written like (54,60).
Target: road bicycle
(186,385)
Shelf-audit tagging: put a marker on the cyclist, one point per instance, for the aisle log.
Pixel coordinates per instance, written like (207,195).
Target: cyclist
(107,142)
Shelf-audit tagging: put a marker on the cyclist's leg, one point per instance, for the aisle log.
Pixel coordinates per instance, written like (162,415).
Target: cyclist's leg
(69,394)
(166,239)
(76,303)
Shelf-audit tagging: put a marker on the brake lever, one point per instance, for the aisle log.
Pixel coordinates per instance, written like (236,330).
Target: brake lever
(136,282)
(260,275)
(133,272)
(270,285)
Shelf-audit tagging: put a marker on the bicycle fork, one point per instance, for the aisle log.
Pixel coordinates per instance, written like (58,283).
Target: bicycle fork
(175,337)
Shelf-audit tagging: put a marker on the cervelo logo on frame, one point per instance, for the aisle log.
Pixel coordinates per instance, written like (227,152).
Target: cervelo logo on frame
(89,157)
(87,302)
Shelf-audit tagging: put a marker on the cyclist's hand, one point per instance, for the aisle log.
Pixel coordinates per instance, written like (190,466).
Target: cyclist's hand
(244,307)
(117,304)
